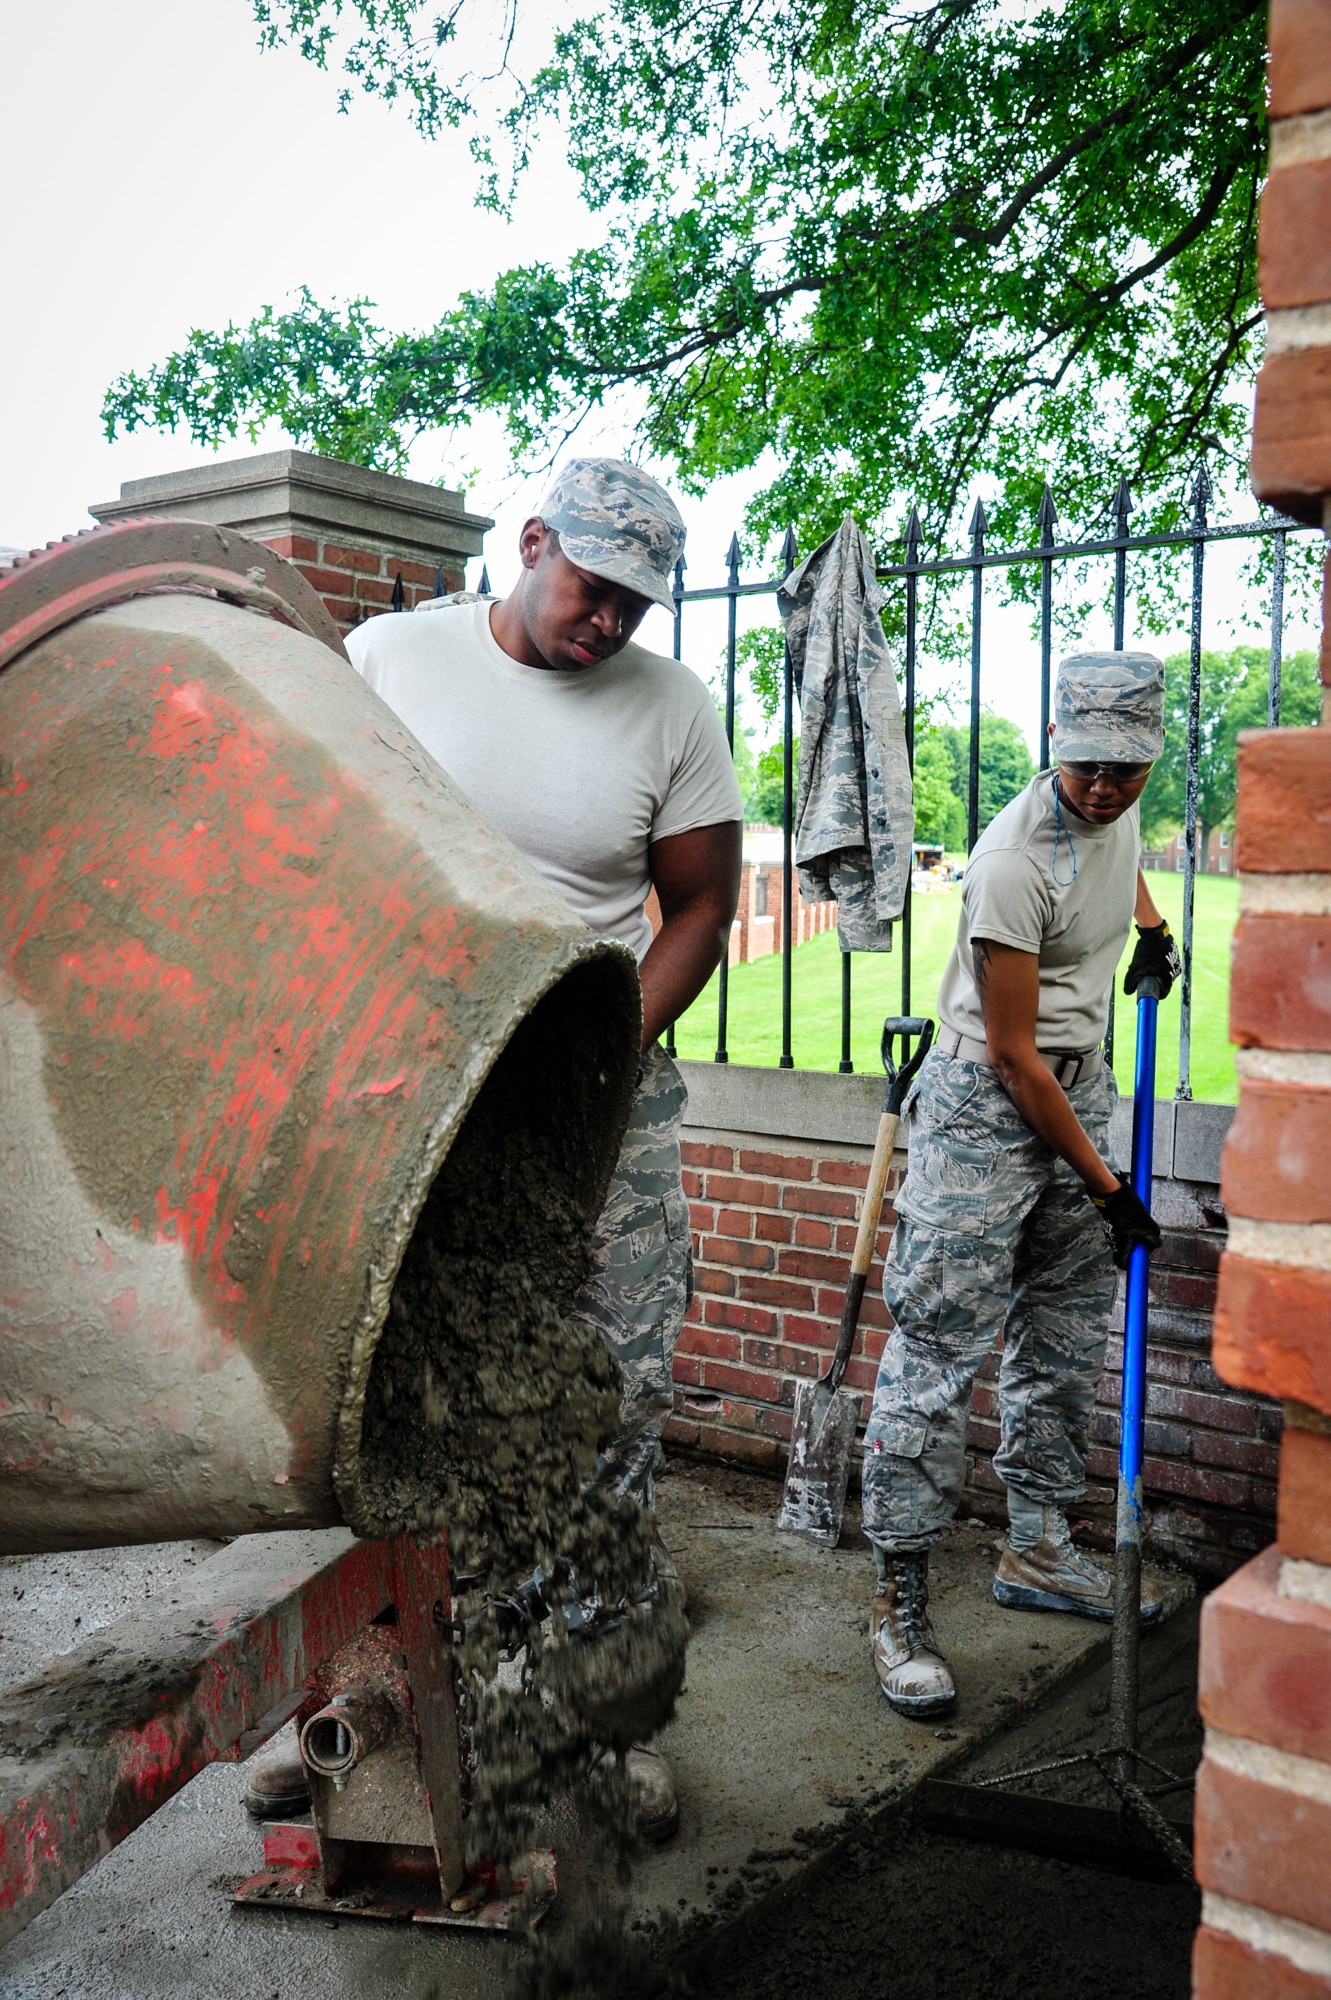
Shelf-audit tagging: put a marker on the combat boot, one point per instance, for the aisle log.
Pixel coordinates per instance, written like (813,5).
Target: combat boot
(1052,1574)
(277,1785)
(911,1671)
(654,1798)
(665,1571)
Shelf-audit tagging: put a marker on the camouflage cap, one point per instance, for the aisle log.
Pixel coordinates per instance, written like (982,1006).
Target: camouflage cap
(1109,709)
(616,521)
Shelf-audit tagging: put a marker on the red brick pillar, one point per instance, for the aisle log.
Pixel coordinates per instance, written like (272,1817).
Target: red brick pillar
(1264,1791)
(1263,1837)
(352,532)
(1291,440)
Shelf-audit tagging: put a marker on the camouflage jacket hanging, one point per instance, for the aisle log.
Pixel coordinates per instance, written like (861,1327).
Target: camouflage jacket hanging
(854,815)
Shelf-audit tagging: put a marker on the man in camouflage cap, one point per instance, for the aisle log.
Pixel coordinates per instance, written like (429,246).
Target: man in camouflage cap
(608,767)
(1012,1215)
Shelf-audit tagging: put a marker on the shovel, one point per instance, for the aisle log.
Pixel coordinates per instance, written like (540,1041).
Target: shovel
(823,1433)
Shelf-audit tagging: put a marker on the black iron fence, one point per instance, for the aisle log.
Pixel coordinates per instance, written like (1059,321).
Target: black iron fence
(1116,547)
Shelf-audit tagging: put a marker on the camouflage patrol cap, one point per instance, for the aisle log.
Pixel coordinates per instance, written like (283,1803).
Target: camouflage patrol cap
(1109,709)
(616,521)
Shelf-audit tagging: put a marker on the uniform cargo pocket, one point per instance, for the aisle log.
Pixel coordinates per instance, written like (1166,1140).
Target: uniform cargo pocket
(949,1210)
(902,1434)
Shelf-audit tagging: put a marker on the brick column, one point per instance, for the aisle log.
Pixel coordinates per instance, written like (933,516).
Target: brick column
(1264,1791)
(1291,440)
(1263,1828)
(352,532)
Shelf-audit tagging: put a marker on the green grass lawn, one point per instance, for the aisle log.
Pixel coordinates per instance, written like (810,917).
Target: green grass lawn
(754,1021)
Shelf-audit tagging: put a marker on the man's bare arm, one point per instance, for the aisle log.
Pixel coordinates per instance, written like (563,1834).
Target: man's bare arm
(1009,983)
(696,878)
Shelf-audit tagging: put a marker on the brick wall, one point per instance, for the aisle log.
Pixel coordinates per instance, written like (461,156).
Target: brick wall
(772,1233)
(1263,1827)
(355,583)
(773,1228)
(1263,1819)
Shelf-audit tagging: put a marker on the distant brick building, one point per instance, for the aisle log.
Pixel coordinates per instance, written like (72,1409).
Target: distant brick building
(1169,859)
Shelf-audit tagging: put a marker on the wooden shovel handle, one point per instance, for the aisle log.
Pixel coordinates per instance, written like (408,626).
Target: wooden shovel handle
(870,1217)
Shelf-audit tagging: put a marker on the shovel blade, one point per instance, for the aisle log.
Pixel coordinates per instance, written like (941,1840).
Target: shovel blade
(821,1441)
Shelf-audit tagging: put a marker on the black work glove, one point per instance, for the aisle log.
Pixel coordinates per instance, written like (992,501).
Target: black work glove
(1127,1220)
(1156,957)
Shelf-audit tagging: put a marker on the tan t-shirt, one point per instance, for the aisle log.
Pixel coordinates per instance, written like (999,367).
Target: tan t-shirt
(1073,907)
(582,769)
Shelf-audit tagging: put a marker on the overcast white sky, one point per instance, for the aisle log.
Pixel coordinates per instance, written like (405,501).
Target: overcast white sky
(161,173)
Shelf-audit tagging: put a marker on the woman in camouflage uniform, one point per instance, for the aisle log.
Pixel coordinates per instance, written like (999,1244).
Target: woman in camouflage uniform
(1010,1187)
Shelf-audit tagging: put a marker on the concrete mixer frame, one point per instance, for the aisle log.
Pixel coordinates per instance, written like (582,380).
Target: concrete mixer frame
(106,1734)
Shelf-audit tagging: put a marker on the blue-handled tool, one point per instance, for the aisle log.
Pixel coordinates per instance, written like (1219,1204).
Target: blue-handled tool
(1124,1669)
(985,1808)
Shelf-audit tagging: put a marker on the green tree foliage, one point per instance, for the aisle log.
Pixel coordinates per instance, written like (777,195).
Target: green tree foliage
(1233,697)
(765,802)
(940,815)
(899,248)
(1006,764)
(760,657)
(941,767)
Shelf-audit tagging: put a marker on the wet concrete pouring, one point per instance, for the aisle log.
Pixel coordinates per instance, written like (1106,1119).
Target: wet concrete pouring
(798,1868)
(484,1407)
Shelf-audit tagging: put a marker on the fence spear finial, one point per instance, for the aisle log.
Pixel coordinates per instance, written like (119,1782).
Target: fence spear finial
(1122,508)
(789,551)
(399,594)
(732,557)
(1201,495)
(1047,514)
(979,522)
(913,539)
(484,585)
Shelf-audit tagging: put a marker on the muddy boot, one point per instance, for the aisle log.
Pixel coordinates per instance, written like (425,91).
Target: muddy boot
(1041,1569)
(277,1785)
(911,1671)
(655,1800)
(663,1568)
(652,1788)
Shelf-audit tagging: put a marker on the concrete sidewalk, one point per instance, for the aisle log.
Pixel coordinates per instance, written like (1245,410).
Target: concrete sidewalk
(781,1743)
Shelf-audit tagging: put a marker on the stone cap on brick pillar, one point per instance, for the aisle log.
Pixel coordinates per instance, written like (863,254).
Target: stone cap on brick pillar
(297,493)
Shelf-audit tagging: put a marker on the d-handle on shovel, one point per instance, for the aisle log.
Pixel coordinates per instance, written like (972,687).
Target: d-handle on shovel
(898,1083)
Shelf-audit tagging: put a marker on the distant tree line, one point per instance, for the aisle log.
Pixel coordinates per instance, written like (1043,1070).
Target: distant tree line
(942,776)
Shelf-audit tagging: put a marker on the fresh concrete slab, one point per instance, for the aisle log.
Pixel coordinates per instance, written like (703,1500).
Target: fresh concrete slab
(782,1744)
(782,1741)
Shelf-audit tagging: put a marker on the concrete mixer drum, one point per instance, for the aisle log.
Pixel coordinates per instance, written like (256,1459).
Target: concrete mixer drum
(264,972)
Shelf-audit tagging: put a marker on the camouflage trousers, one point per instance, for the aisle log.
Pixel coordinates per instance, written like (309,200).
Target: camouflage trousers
(996,1234)
(642,1282)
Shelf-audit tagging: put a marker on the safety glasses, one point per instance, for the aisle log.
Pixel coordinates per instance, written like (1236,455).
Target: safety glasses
(1118,774)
